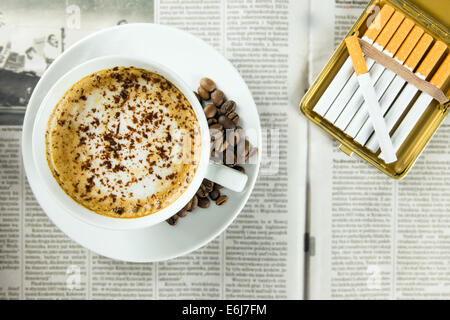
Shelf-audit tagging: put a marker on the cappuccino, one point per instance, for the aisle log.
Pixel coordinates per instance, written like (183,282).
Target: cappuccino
(123,142)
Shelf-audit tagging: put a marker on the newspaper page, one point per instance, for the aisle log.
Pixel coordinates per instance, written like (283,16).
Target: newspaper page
(266,41)
(374,237)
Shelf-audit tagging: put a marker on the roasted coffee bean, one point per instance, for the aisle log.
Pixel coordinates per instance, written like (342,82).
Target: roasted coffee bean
(210,110)
(221,200)
(207,84)
(198,97)
(217,186)
(217,97)
(194,203)
(182,213)
(203,93)
(226,123)
(216,126)
(239,168)
(233,116)
(173,220)
(227,107)
(214,195)
(203,203)
(209,185)
(201,193)
(212,121)
(188,206)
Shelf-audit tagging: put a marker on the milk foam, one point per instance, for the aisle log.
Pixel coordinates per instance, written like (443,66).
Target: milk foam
(125,145)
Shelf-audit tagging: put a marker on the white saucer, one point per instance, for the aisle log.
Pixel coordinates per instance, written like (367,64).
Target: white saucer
(192,59)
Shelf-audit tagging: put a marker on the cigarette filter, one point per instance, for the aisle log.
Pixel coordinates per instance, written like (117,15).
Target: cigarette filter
(352,84)
(408,93)
(375,73)
(396,85)
(369,95)
(415,113)
(346,71)
(385,79)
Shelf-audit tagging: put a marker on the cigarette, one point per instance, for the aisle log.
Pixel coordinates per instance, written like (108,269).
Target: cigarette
(369,96)
(408,93)
(415,113)
(385,79)
(346,71)
(357,99)
(352,84)
(396,85)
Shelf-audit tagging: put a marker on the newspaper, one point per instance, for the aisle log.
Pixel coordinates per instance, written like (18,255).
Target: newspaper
(38,261)
(373,237)
(370,236)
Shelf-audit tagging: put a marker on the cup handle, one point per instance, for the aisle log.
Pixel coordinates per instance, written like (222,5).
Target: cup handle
(227,177)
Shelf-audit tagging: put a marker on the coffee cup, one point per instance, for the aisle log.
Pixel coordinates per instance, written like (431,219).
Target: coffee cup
(223,175)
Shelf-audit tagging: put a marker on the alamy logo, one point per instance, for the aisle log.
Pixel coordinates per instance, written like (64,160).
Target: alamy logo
(374,279)
(73,277)
(73,16)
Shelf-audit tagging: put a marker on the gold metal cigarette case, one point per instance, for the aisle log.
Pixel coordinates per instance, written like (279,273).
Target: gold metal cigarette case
(431,15)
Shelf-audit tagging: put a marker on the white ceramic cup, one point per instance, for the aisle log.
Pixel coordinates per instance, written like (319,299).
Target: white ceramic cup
(220,174)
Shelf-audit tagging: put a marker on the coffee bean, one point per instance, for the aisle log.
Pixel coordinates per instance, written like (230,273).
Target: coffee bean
(182,213)
(194,203)
(239,168)
(201,192)
(221,200)
(209,185)
(203,93)
(210,110)
(207,84)
(188,206)
(233,116)
(198,97)
(214,194)
(212,121)
(216,126)
(226,123)
(217,97)
(227,107)
(203,202)
(217,186)
(173,220)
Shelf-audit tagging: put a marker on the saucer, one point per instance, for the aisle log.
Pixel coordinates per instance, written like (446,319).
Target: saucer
(192,59)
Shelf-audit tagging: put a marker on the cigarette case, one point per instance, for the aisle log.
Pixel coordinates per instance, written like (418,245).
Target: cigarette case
(433,18)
